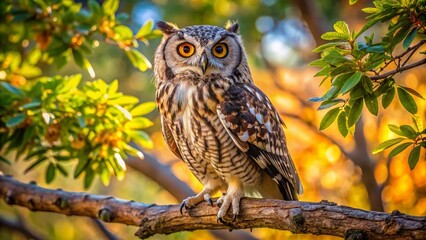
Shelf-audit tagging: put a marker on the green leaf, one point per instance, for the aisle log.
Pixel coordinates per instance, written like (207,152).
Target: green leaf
(124,111)
(340,80)
(62,170)
(31,105)
(418,123)
(351,82)
(408,131)
(388,97)
(82,62)
(12,89)
(145,29)
(352,2)
(105,175)
(143,109)
(409,39)
(139,123)
(372,104)
(88,178)
(329,103)
(316,99)
(412,92)
(138,60)
(123,33)
(2,159)
(407,101)
(357,92)
(334,57)
(387,144)
(83,163)
(36,152)
(369,10)
(110,6)
(329,118)
(141,138)
(16,120)
(395,129)
(341,27)
(398,149)
(375,49)
(414,156)
(341,124)
(366,84)
(327,46)
(113,87)
(355,112)
(81,121)
(343,68)
(36,163)
(334,36)
(123,100)
(50,173)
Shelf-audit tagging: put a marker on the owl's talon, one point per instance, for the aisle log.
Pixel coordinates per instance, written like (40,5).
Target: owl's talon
(234,217)
(208,199)
(230,200)
(219,201)
(182,205)
(220,219)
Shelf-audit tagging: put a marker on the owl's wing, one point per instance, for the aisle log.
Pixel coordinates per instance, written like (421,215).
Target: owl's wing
(167,134)
(256,128)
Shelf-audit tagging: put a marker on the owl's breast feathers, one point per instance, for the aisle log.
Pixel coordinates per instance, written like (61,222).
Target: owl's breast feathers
(240,109)
(256,128)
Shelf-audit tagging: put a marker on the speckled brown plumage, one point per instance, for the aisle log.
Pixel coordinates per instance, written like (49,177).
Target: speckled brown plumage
(217,121)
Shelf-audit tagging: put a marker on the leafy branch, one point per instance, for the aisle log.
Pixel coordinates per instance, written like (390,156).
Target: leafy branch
(355,68)
(51,121)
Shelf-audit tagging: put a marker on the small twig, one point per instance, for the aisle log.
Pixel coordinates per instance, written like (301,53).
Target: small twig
(108,234)
(19,227)
(411,49)
(398,70)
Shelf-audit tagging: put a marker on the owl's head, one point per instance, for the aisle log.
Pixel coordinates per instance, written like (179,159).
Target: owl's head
(201,50)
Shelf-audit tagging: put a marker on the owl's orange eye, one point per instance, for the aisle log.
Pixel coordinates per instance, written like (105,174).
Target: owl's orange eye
(185,49)
(220,50)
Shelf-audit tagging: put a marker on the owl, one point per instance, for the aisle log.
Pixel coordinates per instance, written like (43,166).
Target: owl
(217,121)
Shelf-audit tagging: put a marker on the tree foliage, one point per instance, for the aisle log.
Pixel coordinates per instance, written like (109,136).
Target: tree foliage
(52,120)
(357,67)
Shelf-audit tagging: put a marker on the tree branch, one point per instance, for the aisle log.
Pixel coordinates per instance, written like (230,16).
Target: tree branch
(398,70)
(299,217)
(163,175)
(19,227)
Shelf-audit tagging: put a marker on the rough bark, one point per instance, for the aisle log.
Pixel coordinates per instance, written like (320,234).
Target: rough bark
(323,218)
(163,175)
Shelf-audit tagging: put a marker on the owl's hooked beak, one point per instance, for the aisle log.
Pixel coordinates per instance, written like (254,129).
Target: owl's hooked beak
(204,62)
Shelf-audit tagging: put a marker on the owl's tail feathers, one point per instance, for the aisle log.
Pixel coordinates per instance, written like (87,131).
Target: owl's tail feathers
(269,188)
(287,190)
(282,189)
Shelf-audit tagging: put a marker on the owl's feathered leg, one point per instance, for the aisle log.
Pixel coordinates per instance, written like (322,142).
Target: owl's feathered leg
(204,195)
(232,198)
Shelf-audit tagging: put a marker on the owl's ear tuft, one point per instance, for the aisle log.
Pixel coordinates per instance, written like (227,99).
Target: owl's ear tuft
(167,28)
(232,26)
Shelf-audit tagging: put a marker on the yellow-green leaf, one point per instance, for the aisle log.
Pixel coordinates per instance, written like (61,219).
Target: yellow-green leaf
(387,144)
(145,29)
(143,109)
(138,60)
